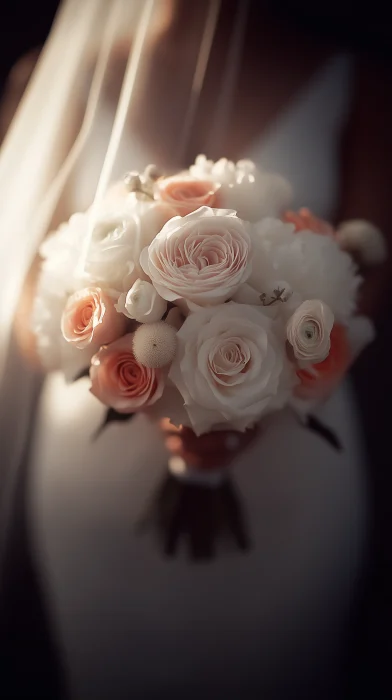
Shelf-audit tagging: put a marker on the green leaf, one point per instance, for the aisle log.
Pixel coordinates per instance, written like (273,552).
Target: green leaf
(83,373)
(324,431)
(112,416)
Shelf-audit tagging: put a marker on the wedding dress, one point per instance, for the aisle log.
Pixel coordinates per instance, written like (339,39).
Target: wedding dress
(269,623)
(128,617)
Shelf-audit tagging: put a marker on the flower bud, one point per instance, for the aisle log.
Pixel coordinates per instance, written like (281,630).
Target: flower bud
(308,331)
(142,303)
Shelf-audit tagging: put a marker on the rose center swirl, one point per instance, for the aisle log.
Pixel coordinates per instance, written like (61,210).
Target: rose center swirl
(192,190)
(133,379)
(228,359)
(208,249)
(86,315)
(108,231)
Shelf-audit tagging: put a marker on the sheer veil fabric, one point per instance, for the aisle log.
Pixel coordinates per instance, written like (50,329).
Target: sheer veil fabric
(82,105)
(58,116)
(84,120)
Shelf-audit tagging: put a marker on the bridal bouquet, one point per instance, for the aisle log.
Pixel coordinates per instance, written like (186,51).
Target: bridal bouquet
(201,295)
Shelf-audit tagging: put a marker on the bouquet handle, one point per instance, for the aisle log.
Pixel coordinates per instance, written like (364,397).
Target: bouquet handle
(198,504)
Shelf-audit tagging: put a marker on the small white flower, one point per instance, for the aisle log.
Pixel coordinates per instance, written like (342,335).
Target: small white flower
(202,167)
(363,238)
(252,193)
(60,252)
(279,292)
(118,235)
(142,303)
(117,240)
(308,331)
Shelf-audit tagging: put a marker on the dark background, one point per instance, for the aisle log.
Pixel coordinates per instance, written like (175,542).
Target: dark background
(23,27)
(30,664)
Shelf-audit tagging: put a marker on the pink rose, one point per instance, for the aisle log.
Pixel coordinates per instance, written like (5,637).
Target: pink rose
(120,382)
(90,317)
(186,194)
(202,258)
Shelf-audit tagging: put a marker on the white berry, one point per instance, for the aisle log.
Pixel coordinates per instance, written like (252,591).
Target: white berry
(154,344)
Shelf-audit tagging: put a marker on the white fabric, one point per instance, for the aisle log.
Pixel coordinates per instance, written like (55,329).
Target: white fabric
(130,623)
(30,159)
(33,135)
(31,183)
(134,624)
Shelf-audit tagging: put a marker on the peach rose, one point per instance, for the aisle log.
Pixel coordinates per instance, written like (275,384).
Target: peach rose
(90,317)
(186,194)
(304,220)
(321,379)
(120,382)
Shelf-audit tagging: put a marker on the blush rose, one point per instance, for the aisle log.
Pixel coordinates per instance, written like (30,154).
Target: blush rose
(185,194)
(120,381)
(201,258)
(90,317)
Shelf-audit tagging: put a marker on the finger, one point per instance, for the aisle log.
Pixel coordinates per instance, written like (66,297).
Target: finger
(209,449)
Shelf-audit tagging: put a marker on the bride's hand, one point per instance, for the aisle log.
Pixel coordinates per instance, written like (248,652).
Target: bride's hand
(211,450)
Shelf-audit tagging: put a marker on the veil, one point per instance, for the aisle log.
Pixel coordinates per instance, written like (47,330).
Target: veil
(119,84)
(87,116)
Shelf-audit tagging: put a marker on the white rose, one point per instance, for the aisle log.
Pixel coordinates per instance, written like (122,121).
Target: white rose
(278,301)
(113,254)
(308,331)
(230,367)
(252,193)
(202,167)
(117,240)
(142,303)
(202,257)
(313,266)
(60,254)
